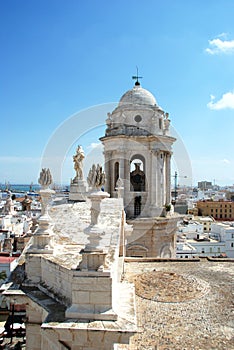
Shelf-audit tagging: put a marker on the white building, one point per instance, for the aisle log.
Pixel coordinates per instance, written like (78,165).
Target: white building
(196,233)
(216,240)
(185,250)
(225,233)
(7,265)
(208,247)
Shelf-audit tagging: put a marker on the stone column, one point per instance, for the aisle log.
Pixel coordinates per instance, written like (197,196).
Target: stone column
(96,198)
(108,171)
(163,179)
(127,174)
(93,256)
(168,178)
(92,292)
(158,181)
(43,236)
(153,186)
(121,168)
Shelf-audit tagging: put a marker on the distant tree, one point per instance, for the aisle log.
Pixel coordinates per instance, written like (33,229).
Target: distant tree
(3,275)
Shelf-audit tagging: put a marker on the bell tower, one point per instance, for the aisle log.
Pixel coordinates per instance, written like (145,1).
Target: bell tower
(137,149)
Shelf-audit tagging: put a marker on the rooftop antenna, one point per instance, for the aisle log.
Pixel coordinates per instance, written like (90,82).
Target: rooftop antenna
(136,77)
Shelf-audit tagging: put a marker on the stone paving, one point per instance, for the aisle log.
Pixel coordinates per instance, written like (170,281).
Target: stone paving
(204,321)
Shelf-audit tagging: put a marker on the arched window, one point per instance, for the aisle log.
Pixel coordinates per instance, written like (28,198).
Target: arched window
(137,174)
(116,172)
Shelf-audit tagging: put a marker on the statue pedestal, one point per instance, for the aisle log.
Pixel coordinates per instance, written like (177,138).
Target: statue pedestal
(78,190)
(42,242)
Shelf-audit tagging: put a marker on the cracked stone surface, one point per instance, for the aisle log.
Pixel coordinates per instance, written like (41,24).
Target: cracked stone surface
(203,322)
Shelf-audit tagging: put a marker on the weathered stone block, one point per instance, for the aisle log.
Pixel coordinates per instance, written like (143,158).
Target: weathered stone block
(100,298)
(80,337)
(101,308)
(80,297)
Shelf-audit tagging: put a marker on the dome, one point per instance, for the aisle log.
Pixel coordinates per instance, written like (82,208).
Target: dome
(138,96)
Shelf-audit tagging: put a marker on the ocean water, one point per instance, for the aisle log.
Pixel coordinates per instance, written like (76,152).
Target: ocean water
(20,188)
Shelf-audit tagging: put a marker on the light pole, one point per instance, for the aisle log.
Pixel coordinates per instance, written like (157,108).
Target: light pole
(175,184)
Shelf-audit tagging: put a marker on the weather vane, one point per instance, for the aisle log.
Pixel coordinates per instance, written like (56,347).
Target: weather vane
(136,77)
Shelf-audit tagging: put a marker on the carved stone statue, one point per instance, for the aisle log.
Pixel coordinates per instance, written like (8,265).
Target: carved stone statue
(96,177)
(119,182)
(78,187)
(26,203)
(120,187)
(166,122)
(45,179)
(8,207)
(78,163)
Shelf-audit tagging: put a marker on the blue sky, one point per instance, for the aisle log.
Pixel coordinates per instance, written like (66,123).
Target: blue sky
(61,57)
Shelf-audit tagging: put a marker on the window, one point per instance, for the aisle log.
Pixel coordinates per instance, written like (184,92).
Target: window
(232,245)
(116,172)
(138,118)
(160,123)
(218,250)
(137,206)
(137,178)
(203,250)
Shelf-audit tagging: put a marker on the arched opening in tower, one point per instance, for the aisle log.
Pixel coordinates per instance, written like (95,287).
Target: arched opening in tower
(137,176)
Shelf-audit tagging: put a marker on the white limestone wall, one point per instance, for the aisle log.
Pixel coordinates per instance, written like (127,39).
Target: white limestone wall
(57,278)
(33,340)
(150,118)
(35,316)
(91,295)
(156,153)
(95,292)
(81,339)
(33,268)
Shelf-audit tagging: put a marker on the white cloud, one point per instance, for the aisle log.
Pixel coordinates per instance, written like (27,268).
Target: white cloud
(226,101)
(212,97)
(219,46)
(226,161)
(93,145)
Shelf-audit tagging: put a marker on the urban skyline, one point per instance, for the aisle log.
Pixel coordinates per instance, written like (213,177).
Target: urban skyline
(60,59)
